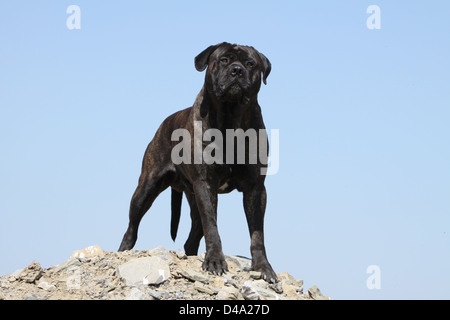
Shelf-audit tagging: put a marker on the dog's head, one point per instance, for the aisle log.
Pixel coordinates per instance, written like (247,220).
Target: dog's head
(234,71)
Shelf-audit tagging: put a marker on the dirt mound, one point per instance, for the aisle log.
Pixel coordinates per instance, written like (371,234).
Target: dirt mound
(157,274)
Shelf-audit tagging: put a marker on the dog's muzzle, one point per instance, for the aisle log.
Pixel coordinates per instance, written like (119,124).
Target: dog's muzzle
(234,83)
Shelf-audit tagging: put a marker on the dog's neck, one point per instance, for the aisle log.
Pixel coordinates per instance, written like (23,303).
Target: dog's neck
(225,114)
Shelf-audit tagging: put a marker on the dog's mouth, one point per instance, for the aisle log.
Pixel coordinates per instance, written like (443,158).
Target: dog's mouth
(231,93)
(234,93)
(234,90)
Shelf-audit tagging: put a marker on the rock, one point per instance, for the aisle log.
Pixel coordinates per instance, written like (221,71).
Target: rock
(249,292)
(202,288)
(162,253)
(290,280)
(34,296)
(267,294)
(181,254)
(290,291)
(194,275)
(71,262)
(159,273)
(87,252)
(15,275)
(179,295)
(258,290)
(136,294)
(291,287)
(219,282)
(44,285)
(155,294)
(315,293)
(263,289)
(201,257)
(4,284)
(255,274)
(228,293)
(148,270)
(31,273)
(73,282)
(243,264)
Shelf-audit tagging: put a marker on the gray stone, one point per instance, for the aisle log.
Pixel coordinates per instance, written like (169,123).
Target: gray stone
(256,290)
(4,284)
(255,274)
(148,270)
(15,275)
(179,295)
(205,289)
(243,264)
(44,285)
(194,275)
(228,293)
(315,293)
(267,294)
(34,296)
(181,254)
(299,286)
(31,273)
(291,287)
(136,294)
(249,292)
(162,253)
(71,262)
(157,276)
(165,295)
(155,294)
(201,257)
(262,287)
(73,282)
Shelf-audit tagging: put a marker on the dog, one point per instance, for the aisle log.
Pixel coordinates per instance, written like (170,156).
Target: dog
(227,100)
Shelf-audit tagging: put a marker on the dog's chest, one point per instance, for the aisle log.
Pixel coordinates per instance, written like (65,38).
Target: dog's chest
(229,178)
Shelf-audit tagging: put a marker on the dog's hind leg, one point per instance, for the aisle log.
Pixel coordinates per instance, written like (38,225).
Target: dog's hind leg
(151,184)
(196,233)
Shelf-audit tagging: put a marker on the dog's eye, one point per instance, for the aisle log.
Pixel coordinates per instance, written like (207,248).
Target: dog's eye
(250,64)
(224,60)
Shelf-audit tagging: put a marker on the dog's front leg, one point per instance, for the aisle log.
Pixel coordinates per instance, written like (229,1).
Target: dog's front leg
(255,207)
(206,198)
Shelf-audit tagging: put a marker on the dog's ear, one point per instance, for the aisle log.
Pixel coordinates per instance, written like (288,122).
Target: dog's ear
(201,61)
(267,66)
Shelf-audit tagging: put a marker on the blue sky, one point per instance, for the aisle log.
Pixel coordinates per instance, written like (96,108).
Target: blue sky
(362,115)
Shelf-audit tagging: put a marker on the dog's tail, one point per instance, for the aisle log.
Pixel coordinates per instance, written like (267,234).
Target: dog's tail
(177,197)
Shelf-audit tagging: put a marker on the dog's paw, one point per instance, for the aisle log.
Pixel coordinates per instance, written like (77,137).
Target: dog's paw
(267,272)
(215,262)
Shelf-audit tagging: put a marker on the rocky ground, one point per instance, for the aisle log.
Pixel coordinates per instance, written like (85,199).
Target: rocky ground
(158,274)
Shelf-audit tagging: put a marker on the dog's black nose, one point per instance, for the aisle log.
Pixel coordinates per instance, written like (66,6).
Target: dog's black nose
(236,70)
